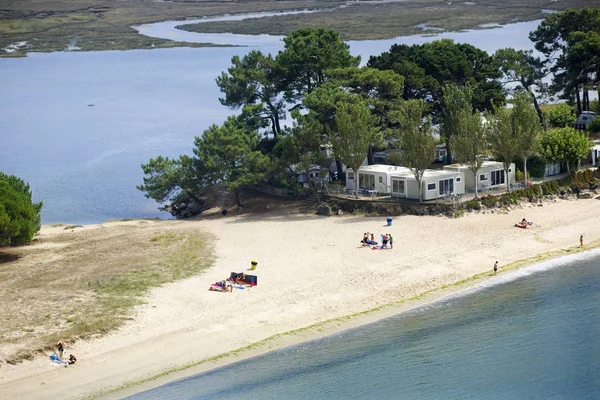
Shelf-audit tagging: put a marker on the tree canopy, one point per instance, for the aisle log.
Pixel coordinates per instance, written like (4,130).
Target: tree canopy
(20,217)
(427,67)
(565,146)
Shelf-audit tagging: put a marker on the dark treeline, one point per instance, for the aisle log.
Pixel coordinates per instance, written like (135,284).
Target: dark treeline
(390,104)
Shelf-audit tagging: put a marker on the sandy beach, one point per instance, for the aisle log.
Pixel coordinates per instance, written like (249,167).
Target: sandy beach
(311,269)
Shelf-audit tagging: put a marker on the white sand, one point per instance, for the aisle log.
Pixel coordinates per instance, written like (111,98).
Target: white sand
(311,269)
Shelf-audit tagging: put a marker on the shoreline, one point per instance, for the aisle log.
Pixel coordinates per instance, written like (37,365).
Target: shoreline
(184,329)
(324,329)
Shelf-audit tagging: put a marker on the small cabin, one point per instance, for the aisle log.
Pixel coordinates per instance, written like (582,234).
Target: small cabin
(491,175)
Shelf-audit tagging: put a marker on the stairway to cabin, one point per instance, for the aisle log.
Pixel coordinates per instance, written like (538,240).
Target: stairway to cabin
(309,202)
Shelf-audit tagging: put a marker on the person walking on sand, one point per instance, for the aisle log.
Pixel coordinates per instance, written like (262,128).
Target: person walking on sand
(60,349)
(581,241)
(495,267)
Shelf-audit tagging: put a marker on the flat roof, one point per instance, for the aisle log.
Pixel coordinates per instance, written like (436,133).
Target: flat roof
(483,165)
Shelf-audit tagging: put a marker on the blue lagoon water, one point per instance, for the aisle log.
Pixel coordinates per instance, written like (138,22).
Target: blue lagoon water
(531,334)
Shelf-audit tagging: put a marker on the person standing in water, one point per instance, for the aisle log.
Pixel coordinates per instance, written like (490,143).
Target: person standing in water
(495,267)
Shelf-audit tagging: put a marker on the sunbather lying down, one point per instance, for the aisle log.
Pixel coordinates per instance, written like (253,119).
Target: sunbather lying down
(222,286)
(524,223)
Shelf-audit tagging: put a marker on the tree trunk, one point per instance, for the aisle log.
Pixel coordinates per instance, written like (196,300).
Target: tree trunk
(448,151)
(370,156)
(193,196)
(274,119)
(476,184)
(340,170)
(538,109)
(238,197)
(586,100)
(506,168)
(420,183)
(525,171)
(578,102)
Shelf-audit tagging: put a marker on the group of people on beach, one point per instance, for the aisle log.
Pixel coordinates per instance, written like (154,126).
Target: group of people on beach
(226,285)
(58,358)
(369,240)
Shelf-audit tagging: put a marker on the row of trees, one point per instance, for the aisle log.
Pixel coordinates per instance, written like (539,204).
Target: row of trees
(392,103)
(20,217)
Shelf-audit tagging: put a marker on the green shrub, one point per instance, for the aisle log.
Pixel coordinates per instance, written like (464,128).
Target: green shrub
(561,115)
(489,201)
(595,125)
(473,205)
(19,217)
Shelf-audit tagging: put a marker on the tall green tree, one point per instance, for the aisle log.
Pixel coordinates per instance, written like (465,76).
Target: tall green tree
(381,90)
(230,154)
(307,56)
(525,125)
(355,132)
(255,79)
(566,146)
(299,148)
(502,138)
(563,39)
(20,217)
(521,68)
(456,102)
(416,142)
(470,142)
(428,67)
(165,179)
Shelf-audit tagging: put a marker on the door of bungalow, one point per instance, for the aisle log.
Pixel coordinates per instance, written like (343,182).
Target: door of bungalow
(366,181)
(497,177)
(399,187)
(446,187)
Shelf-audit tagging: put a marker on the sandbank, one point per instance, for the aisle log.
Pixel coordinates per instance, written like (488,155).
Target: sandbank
(312,272)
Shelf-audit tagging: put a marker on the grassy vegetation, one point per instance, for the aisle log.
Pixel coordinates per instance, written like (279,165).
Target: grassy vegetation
(74,285)
(388,20)
(55,25)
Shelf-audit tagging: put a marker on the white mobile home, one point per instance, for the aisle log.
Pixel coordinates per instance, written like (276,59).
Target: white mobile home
(594,156)
(400,182)
(491,175)
(375,177)
(436,184)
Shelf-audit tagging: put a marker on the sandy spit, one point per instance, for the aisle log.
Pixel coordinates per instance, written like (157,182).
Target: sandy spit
(310,269)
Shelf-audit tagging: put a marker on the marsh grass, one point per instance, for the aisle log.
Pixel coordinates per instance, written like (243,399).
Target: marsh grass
(54,25)
(388,20)
(82,284)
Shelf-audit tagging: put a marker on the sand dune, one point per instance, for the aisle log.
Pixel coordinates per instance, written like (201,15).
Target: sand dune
(311,269)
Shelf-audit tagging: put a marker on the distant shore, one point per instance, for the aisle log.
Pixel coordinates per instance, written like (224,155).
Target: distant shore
(314,278)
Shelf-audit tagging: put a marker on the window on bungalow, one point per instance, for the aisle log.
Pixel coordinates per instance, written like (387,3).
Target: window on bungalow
(483,177)
(431,186)
(458,179)
(398,186)
(350,175)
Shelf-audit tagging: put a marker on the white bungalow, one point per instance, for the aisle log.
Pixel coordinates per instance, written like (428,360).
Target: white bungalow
(594,156)
(400,182)
(436,184)
(491,175)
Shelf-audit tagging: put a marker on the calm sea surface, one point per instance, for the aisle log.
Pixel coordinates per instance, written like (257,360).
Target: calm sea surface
(531,334)
(77,126)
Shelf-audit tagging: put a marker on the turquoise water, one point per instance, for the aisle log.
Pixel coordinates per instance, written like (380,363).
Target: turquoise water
(531,334)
